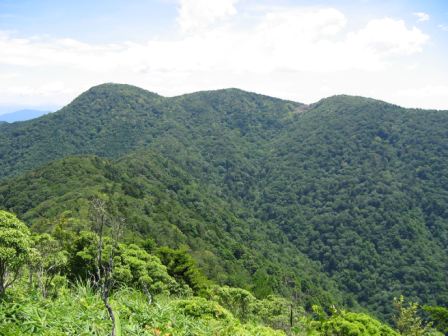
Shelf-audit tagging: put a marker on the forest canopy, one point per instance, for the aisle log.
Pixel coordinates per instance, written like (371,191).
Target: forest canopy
(336,207)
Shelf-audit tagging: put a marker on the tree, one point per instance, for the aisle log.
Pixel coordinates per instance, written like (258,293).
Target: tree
(237,300)
(136,267)
(182,267)
(407,320)
(262,284)
(14,248)
(105,266)
(438,315)
(342,323)
(48,261)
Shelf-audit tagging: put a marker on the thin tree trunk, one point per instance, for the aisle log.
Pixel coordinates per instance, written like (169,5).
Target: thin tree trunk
(147,293)
(291,317)
(104,272)
(2,279)
(110,311)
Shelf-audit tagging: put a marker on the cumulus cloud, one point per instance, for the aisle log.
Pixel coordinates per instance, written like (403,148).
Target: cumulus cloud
(302,40)
(422,16)
(429,96)
(304,24)
(282,40)
(388,36)
(195,15)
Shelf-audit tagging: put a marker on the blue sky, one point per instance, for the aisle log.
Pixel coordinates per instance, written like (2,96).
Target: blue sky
(51,51)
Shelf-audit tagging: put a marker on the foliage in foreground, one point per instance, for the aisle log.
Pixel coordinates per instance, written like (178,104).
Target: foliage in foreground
(80,312)
(151,295)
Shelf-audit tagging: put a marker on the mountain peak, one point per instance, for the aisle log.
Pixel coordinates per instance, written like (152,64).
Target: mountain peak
(118,88)
(110,96)
(344,99)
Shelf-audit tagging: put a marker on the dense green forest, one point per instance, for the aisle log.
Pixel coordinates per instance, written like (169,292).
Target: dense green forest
(90,282)
(330,211)
(161,201)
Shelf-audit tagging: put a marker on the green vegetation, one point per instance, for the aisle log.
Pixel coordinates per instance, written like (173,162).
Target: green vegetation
(148,295)
(14,249)
(364,193)
(439,315)
(346,323)
(160,200)
(338,203)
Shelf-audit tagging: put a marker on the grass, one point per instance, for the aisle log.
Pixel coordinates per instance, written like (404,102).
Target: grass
(80,311)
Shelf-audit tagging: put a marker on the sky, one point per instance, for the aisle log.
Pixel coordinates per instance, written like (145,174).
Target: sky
(396,50)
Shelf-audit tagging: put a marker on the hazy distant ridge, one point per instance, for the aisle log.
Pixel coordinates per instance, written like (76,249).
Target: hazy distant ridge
(22,115)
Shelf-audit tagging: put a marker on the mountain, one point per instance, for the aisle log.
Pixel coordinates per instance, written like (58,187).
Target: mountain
(111,120)
(361,186)
(161,200)
(22,115)
(348,194)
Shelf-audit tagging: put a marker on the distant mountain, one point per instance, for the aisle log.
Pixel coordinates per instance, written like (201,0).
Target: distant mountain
(355,187)
(21,115)
(112,119)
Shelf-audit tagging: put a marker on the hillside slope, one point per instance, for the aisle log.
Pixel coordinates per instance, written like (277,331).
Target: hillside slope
(112,119)
(361,186)
(357,185)
(160,200)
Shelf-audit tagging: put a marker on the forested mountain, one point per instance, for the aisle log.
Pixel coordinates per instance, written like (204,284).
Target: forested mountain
(111,120)
(361,186)
(347,197)
(160,200)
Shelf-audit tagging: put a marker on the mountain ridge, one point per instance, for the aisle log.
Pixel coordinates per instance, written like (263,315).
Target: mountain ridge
(22,115)
(103,105)
(358,186)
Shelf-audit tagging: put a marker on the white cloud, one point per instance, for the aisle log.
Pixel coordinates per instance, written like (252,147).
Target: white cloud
(303,24)
(209,53)
(429,96)
(195,15)
(298,40)
(44,90)
(421,16)
(388,36)
(444,27)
